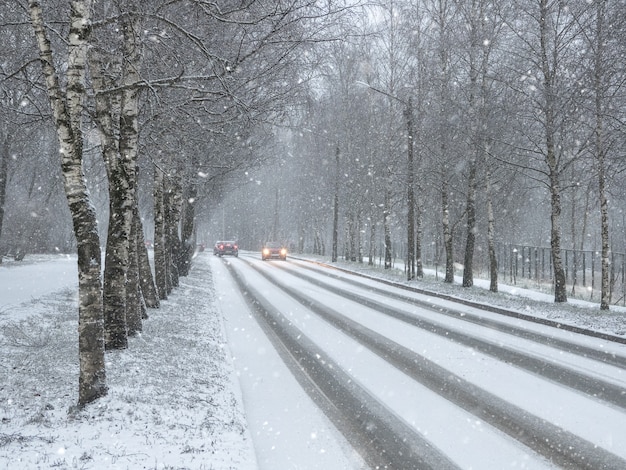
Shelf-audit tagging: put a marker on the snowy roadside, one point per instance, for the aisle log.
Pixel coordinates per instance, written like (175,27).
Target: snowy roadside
(172,402)
(522,298)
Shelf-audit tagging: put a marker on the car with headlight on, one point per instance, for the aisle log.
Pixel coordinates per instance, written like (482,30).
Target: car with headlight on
(226,248)
(273,250)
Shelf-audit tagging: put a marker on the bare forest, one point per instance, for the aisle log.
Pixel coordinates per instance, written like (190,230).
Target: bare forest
(476,137)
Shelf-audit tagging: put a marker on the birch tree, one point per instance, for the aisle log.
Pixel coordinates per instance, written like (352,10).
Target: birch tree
(474,17)
(599,141)
(4,177)
(161,266)
(442,14)
(550,47)
(606,74)
(117,120)
(67,109)
(547,53)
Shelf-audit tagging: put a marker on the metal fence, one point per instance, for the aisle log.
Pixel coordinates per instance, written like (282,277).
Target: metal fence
(531,266)
(583,269)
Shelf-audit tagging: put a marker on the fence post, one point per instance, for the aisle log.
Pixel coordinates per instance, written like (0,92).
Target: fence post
(593,272)
(514,265)
(550,265)
(514,258)
(612,277)
(623,280)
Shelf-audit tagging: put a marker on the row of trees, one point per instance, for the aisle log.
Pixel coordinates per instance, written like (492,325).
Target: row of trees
(464,124)
(160,102)
(503,91)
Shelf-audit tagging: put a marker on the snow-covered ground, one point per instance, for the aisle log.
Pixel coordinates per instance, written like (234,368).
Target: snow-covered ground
(173,400)
(200,388)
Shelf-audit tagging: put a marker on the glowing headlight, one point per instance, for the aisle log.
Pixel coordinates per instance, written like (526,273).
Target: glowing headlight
(283,251)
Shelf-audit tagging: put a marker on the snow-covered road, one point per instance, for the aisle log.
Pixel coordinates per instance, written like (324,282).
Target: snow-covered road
(27,280)
(486,411)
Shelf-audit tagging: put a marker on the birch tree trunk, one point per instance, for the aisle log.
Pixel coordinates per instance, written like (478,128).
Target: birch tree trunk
(419,236)
(470,241)
(146,279)
(116,259)
(160,258)
(188,243)
(335,241)
(67,110)
(386,224)
(491,234)
(447,232)
(173,203)
(135,308)
(372,240)
(122,184)
(600,151)
(135,302)
(548,72)
(560,293)
(474,19)
(410,192)
(188,222)
(4,176)
(442,19)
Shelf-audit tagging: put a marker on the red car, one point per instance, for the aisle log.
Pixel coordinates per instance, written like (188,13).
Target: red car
(226,248)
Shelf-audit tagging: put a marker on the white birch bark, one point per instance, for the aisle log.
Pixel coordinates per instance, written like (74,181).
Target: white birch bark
(122,198)
(4,176)
(129,142)
(146,280)
(160,258)
(447,232)
(491,234)
(116,258)
(548,72)
(600,151)
(173,203)
(67,110)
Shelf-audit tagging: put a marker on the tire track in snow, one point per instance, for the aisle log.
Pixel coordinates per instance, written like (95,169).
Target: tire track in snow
(576,380)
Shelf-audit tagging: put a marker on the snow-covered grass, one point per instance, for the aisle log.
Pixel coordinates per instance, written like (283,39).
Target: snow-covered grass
(171,404)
